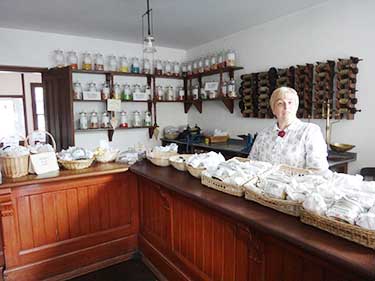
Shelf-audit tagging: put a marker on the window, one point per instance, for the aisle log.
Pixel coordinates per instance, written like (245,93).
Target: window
(37,97)
(12,118)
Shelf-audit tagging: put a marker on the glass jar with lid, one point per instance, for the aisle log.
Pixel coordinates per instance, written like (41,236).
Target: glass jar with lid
(158,67)
(124,64)
(180,93)
(77,91)
(168,68)
(92,87)
(127,93)
(207,64)
(147,91)
(112,63)
(58,56)
(135,65)
(176,69)
(204,94)
(159,93)
(148,119)
(99,62)
(220,60)
(72,59)
(116,93)
(94,122)
(213,62)
(124,120)
(105,92)
(169,93)
(231,58)
(232,89)
(224,89)
(137,89)
(137,120)
(195,92)
(184,69)
(146,66)
(83,121)
(195,66)
(86,61)
(105,120)
(189,68)
(201,65)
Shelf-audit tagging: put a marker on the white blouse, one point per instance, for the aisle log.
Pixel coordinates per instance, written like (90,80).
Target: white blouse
(302,146)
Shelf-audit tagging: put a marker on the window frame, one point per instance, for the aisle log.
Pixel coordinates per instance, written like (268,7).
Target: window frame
(33,104)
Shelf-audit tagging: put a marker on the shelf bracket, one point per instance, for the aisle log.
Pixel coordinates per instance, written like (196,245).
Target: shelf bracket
(198,105)
(110,134)
(187,106)
(229,103)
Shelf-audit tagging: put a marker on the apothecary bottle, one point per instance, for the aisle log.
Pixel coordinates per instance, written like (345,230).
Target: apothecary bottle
(224,89)
(94,122)
(207,64)
(158,67)
(220,60)
(112,63)
(124,120)
(72,59)
(77,91)
(124,64)
(159,93)
(231,58)
(184,69)
(147,91)
(201,65)
(176,69)
(180,93)
(148,120)
(86,61)
(169,93)
(106,91)
(105,120)
(127,93)
(146,66)
(168,68)
(189,68)
(99,62)
(58,57)
(135,65)
(116,93)
(195,92)
(83,121)
(232,89)
(195,67)
(213,62)
(137,121)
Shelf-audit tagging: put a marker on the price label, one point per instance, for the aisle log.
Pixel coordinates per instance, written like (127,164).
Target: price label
(114,105)
(211,86)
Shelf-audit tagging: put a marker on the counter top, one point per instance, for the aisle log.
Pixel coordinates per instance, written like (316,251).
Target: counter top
(96,169)
(324,245)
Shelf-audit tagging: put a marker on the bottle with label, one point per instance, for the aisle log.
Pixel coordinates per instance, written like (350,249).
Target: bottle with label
(99,62)
(105,120)
(94,122)
(116,94)
(83,125)
(77,91)
(105,92)
(72,59)
(86,61)
(123,120)
(148,119)
(127,93)
(124,64)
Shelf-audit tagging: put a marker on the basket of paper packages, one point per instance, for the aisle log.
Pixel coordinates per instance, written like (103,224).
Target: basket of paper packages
(179,161)
(343,209)
(198,163)
(76,158)
(14,159)
(42,154)
(160,155)
(277,188)
(230,176)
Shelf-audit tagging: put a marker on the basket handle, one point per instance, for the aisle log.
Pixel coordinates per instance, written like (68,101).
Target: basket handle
(44,132)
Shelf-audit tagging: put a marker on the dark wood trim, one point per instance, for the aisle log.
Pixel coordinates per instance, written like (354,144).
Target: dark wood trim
(10,96)
(33,103)
(24,104)
(16,68)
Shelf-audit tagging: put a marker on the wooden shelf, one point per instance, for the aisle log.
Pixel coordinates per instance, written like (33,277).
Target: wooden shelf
(144,101)
(213,72)
(117,73)
(169,101)
(169,77)
(89,100)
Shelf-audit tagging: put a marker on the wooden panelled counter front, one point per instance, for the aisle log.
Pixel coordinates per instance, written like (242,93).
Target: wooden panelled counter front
(68,224)
(191,232)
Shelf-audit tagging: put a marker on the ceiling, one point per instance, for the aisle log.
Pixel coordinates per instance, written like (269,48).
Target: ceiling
(177,23)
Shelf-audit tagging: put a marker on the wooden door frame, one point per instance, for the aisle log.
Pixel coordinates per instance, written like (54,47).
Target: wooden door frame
(34,85)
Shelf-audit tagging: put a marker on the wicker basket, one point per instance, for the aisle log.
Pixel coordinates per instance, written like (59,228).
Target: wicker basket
(107,156)
(76,164)
(181,166)
(195,172)
(14,167)
(350,232)
(222,186)
(43,132)
(160,159)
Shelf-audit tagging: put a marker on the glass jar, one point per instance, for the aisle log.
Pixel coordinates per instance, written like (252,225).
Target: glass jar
(231,58)
(92,87)
(137,121)
(213,62)
(176,69)
(99,62)
(148,119)
(207,64)
(105,120)
(124,64)
(135,65)
(169,93)
(83,121)
(159,93)
(189,68)
(168,68)
(204,94)
(201,65)
(195,92)
(180,93)
(158,67)
(112,63)
(146,66)
(94,122)
(195,67)
(58,57)
(123,120)
(147,91)
(127,93)
(72,59)
(232,89)
(105,92)
(184,69)
(224,89)
(77,91)
(86,61)
(116,91)
(220,60)
(137,89)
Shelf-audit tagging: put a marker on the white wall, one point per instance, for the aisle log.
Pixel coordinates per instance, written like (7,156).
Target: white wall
(335,29)
(29,48)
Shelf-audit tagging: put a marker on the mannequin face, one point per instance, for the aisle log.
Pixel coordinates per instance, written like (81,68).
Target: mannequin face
(285,108)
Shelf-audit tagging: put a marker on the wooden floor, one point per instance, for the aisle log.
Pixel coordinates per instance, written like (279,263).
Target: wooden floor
(132,270)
